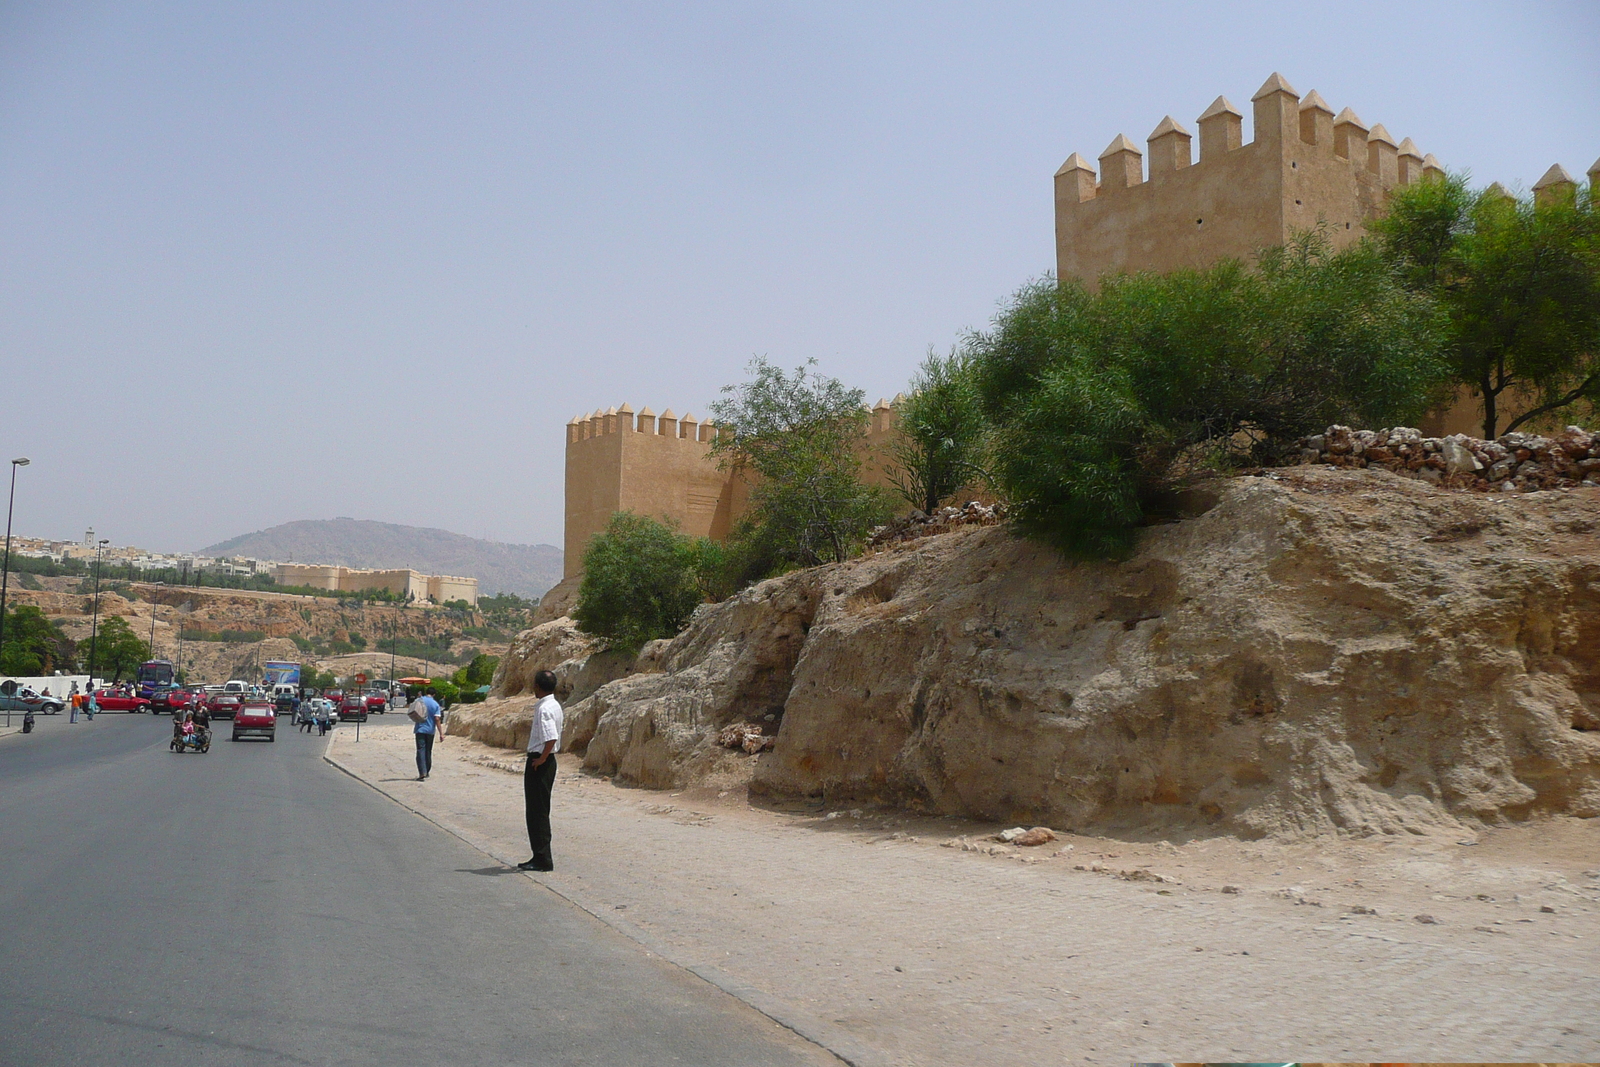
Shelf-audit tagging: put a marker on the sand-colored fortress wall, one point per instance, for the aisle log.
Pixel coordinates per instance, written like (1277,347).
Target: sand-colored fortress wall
(655,465)
(661,466)
(399,581)
(1303,165)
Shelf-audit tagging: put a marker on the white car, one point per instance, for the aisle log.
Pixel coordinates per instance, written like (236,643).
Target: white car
(21,698)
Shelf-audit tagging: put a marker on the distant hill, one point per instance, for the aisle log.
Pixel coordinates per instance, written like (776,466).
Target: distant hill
(526,570)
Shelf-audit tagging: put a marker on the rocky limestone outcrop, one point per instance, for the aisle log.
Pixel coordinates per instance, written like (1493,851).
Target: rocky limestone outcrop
(1321,650)
(580,664)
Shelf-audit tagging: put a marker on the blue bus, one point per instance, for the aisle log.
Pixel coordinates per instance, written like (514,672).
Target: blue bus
(154,676)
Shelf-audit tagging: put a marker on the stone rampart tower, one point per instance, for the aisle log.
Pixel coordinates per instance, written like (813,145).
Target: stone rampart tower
(661,466)
(658,466)
(1303,165)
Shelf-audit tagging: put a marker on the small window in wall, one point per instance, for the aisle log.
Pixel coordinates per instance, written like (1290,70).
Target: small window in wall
(1347,225)
(1197,222)
(1297,203)
(1293,165)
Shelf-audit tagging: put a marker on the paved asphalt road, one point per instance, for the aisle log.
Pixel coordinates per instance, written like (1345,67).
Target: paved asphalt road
(256,906)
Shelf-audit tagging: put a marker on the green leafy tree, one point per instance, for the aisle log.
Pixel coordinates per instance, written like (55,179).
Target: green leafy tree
(311,678)
(1519,284)
(800,435)
(479,672)
(943,433)
(34,645)
(116,649)
(1105,402)
(640,582)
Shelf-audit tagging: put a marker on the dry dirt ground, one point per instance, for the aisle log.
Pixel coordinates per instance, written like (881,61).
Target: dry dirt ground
(900,940)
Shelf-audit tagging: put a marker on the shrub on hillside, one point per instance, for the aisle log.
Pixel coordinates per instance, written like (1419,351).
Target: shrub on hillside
(1104,402)
(943,434)
(640,582)
(800,435)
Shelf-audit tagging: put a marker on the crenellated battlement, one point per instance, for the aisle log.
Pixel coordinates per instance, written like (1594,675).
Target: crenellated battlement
(1162,209)
(1281,118)
(624,420)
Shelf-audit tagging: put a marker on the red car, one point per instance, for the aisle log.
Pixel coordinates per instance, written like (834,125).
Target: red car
(256,717)
(353,708)
(111,700)
(377,702)
(175,701)
(224,705)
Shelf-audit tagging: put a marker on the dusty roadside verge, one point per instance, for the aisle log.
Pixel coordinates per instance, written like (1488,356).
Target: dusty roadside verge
(864,932)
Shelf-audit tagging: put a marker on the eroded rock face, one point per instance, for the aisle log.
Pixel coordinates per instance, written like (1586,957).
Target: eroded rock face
(1323,650)
(580,666)
(733,663)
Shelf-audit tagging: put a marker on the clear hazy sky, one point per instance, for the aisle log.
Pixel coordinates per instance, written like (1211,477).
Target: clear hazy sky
(272,261)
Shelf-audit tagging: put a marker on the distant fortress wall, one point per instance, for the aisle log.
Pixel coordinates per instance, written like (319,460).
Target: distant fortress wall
(661,466)
(401,582)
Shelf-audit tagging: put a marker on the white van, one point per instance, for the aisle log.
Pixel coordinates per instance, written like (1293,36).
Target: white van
(236,688)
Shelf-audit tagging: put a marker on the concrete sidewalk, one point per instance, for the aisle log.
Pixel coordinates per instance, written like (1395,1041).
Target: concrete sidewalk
(893,939)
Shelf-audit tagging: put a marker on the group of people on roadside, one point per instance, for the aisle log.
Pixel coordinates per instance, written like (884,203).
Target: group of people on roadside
(84,702)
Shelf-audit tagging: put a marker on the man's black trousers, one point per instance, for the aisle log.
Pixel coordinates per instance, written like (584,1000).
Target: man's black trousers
(537,784)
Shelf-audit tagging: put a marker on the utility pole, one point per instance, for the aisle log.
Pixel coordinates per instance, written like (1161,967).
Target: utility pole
(393,617)
(94,627)
(5,568)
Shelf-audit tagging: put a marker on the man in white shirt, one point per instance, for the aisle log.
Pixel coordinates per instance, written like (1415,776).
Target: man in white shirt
(539,779)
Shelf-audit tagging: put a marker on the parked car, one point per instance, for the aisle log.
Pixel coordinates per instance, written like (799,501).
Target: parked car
(23,699)
(353,708)
(256,717)
(115,700)
(175,700)
(377,701)
(224,705)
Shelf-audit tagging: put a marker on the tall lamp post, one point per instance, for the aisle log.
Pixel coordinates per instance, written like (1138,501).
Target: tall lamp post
(94,626)
(5,568)
(393,617)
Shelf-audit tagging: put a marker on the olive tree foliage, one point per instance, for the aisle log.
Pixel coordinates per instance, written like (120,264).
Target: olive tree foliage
(33,644)
(1519,285)
(116,649)
(1105,402)
(799,434)
(943,435)
(640,582)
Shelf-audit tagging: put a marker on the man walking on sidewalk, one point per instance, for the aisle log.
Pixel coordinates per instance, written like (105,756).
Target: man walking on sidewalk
(539,779)
(426,729)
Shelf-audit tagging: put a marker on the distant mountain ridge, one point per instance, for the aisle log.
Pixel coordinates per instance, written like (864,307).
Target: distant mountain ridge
(526,570)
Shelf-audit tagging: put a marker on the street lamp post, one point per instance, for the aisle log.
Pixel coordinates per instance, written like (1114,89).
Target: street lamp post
(5,568)
(94,626)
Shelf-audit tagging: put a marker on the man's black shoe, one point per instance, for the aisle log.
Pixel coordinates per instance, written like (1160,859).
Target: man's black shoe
(529,865)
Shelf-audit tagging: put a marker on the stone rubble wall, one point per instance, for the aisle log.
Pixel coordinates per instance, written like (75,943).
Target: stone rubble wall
(1513,462)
